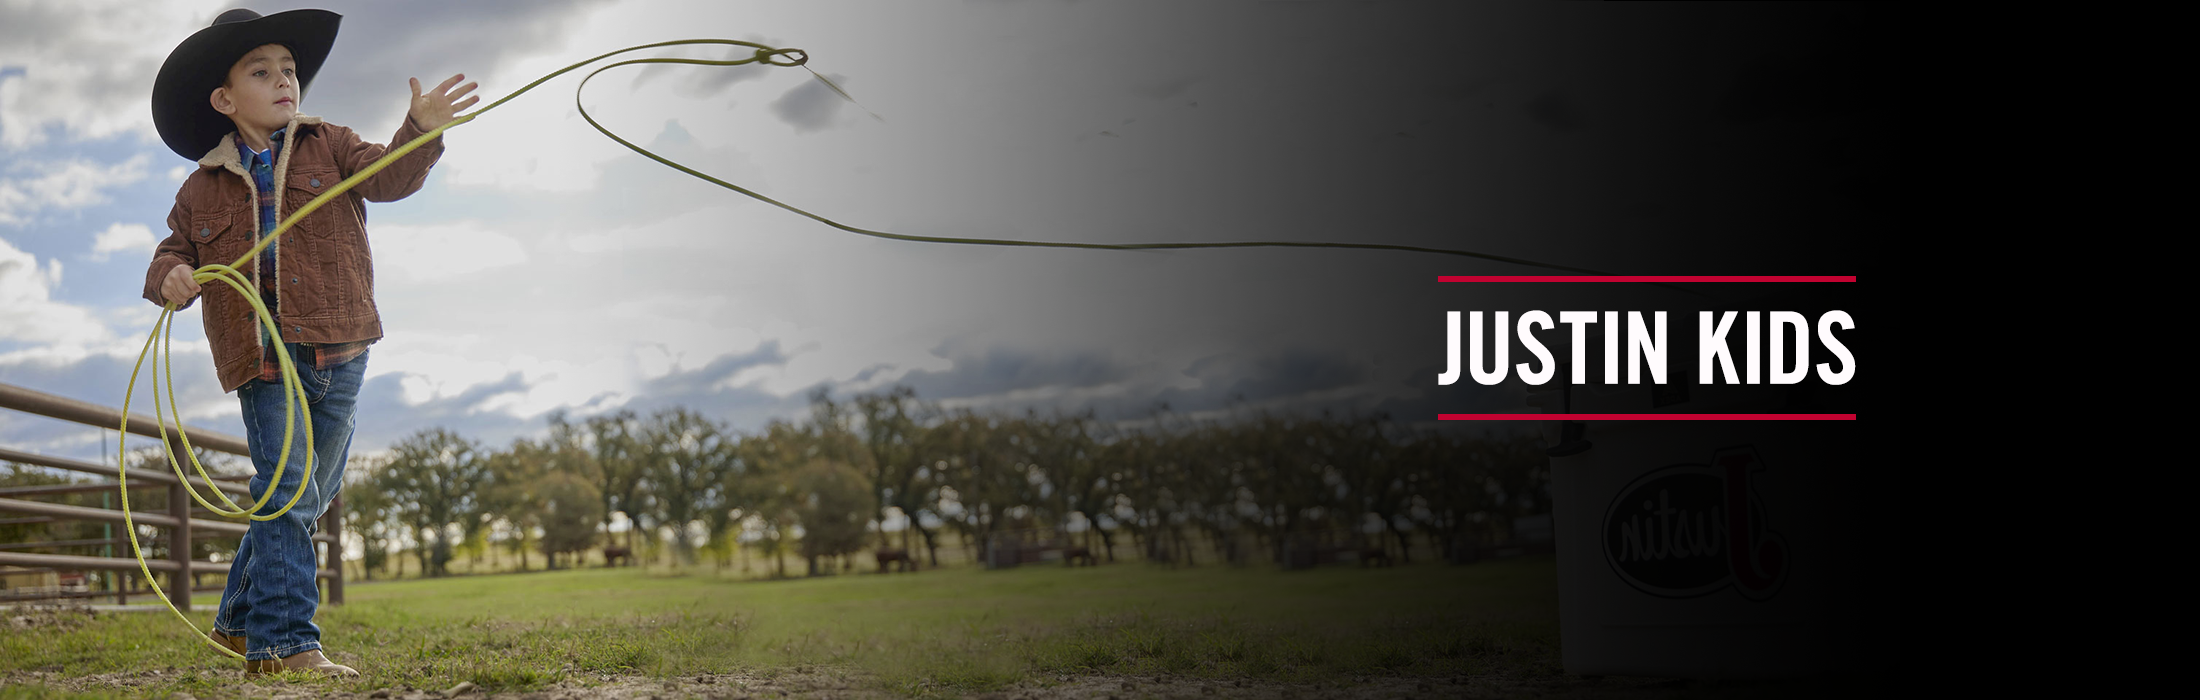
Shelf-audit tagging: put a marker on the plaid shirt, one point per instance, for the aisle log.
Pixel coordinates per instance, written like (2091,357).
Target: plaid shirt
(323,356)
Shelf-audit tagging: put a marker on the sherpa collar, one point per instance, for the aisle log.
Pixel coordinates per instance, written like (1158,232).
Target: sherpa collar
(225,155)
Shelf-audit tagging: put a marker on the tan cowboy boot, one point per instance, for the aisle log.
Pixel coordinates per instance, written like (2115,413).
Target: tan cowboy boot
(302,661)
(235,644)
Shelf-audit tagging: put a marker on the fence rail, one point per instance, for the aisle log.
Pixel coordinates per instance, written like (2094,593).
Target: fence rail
(179,518)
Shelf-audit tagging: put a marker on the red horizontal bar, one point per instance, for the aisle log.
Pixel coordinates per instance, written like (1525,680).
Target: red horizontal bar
(1646,416)
(1646,278)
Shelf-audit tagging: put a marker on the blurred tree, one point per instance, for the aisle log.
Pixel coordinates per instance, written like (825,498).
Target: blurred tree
(1098,492)
(369,513)
(686,458)
(1377,483)
(515,496)
(890,437)
(618,470)
(745,487)
(774,457)
(980,467)
(829,501)
(438,478)
(571,509)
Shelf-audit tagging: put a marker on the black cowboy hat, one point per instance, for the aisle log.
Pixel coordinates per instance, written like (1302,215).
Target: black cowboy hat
(181,110)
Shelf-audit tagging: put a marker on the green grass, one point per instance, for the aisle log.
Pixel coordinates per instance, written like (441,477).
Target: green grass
(946,631)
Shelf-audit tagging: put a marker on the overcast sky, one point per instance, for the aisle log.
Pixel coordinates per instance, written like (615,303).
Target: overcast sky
(544,267)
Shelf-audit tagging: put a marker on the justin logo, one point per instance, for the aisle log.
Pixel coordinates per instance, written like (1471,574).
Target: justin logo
(1693,529)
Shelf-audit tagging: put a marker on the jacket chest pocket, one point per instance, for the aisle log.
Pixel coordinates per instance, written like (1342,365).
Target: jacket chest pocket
(300,187)
(222,238)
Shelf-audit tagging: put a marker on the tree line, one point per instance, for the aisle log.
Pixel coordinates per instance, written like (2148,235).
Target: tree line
(889,470)
(892,471)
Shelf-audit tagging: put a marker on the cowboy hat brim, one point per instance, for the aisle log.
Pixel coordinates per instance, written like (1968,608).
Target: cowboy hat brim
(182,112)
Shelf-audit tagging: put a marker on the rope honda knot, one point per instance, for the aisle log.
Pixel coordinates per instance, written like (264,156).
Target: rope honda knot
(799,56)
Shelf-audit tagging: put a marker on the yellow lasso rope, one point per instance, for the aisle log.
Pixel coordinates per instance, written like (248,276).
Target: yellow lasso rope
(294,393)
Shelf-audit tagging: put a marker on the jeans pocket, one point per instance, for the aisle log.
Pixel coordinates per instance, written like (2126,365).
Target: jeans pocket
(316,380)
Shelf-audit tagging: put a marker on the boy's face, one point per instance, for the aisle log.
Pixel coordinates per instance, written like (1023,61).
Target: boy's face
(262,90)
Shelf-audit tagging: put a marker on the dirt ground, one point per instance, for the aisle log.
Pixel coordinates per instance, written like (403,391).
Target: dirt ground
(827,683)
(836,685)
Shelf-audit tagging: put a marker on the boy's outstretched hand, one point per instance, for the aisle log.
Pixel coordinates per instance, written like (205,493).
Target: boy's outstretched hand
(436,108)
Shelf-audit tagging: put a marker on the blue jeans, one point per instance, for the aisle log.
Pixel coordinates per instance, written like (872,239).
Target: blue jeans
(272,592)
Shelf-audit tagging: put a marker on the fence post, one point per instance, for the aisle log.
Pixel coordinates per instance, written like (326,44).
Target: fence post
(113,579)
(179,541)
(332,522)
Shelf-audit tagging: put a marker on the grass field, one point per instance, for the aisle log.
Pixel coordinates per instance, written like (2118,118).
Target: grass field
(1127,630)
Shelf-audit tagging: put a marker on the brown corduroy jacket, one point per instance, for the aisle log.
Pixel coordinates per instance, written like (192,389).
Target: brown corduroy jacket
(323,267)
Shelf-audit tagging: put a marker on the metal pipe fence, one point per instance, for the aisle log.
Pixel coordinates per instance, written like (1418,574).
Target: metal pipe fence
(181,521)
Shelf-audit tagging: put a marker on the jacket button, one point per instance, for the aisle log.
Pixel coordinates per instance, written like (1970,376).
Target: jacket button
(204,232)
(316,182)
(297,329)
(293,280)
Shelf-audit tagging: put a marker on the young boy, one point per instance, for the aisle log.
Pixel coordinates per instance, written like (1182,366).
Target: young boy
(227,97)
